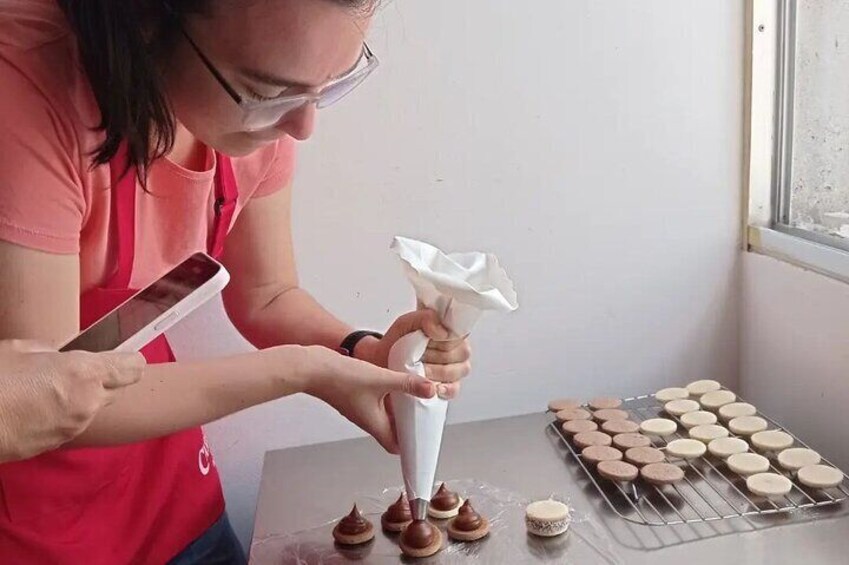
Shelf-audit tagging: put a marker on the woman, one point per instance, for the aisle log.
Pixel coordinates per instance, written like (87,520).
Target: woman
(136,133)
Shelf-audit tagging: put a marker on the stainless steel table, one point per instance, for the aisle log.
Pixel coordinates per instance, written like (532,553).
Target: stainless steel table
(302,488)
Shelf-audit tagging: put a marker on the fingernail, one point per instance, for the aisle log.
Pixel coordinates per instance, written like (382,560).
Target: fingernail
(442,391)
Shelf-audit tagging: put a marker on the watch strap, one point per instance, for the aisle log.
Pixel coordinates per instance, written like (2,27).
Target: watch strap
(352,339)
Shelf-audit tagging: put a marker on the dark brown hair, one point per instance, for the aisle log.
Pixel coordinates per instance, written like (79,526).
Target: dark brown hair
(122,43)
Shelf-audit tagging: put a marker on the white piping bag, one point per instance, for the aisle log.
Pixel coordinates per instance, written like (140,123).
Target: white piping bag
(459,287)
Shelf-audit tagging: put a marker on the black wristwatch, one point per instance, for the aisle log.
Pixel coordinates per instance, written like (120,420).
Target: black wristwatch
(352,339)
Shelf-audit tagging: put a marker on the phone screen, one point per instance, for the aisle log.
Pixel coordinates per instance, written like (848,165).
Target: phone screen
(145,307)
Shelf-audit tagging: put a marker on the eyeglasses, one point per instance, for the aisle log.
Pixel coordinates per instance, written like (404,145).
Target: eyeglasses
(262,114)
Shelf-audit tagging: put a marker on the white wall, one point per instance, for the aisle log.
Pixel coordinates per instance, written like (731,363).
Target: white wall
(795,351)
(594,146)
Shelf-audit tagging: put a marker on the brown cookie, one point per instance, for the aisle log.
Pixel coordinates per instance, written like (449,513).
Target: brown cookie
(644,456)
(563,404)
(353,529)
(586,439)
(573,414)
(617,471)
(420,539)
(573,427)
(607,414)
(661,473)
(595,454)
(614,427)
(604,402)
(397,516)
(627,441)
(468,525)
(444,504)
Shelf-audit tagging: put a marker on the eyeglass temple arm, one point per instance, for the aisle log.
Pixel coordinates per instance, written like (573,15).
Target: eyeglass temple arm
(211,68)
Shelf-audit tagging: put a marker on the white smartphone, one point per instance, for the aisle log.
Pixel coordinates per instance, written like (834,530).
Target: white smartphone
(152,311)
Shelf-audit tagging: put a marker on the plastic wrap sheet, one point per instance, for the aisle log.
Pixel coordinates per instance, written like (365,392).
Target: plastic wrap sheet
(508,541)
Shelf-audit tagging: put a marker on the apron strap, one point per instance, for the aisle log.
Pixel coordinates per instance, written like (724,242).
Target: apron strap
(226,196)
(122,179)
(123,218)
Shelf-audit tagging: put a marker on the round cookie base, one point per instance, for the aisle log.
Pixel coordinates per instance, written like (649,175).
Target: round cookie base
(445,514)
(820,476)
(795,458)
(604,402)
(642,456)
(574,427)
(660,427)
(671,393)
(686,449)
(627,441)
(771,486)
(772,440)
(702,386)
(474,535)
(725,447)
(747,464)
(660,474)
(419,552)
(393,527)
(355,539)
(618,471)
(615,427)
(563,404)
(595,454)
(573,414)
(586,439)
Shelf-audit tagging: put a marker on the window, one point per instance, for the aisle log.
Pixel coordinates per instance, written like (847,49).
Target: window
(799,132)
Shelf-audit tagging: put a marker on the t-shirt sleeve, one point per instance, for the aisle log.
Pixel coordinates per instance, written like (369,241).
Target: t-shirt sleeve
(282,168)
(42,203)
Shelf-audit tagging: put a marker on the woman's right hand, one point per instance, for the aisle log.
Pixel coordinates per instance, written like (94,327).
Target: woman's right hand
(360,391)
(48,398)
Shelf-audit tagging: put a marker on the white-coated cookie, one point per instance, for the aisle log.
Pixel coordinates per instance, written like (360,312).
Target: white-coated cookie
(820,476)
(769,485)
(681,406)
(686,448)
(697,418)
(673,393)
(772,440)
(547,518)
(746,464)
(795,458)
(708,432)
(658,427)
(698,388)
(725,447)
(747,425)
(716,399)
(736,410)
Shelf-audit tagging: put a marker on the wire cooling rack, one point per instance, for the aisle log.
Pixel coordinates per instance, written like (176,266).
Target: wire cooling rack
(709,491)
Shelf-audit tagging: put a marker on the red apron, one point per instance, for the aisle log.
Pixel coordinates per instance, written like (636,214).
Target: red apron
(139,503)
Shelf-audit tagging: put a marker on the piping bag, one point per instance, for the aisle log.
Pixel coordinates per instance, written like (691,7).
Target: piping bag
(459,287)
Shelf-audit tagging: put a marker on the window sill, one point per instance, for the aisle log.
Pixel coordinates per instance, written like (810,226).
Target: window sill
(801,252)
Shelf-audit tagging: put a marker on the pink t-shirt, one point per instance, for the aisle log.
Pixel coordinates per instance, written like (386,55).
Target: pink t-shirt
(50,197)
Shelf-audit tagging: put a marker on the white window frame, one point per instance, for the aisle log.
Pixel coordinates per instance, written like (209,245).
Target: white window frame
(771,46)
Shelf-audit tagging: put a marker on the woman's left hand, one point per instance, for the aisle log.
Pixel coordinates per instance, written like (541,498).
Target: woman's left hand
(447,358)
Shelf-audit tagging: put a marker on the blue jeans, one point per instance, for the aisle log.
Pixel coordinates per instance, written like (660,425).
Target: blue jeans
(216,546)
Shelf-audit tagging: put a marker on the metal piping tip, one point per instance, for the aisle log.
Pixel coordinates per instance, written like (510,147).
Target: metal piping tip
(418,507)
